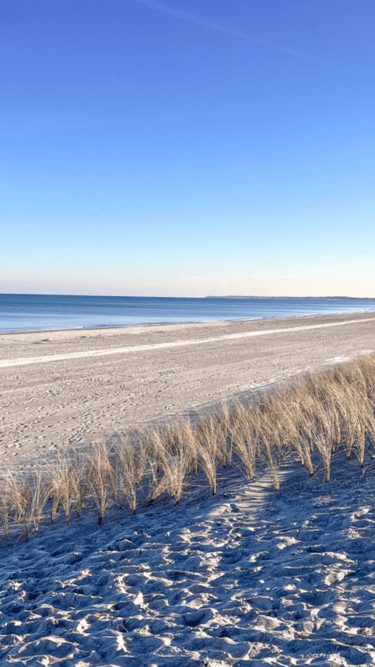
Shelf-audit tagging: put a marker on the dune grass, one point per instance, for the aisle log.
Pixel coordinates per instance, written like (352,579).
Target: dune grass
(312,419)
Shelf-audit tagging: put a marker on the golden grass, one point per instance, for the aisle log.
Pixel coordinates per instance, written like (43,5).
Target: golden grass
(313,419)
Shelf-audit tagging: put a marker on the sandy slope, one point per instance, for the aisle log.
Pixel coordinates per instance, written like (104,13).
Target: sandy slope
(250,577)
(88,387)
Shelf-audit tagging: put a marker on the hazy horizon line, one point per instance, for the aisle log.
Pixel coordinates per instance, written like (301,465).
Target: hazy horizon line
(209,296)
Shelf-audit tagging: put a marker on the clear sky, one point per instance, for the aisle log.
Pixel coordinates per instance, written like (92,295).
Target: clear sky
(187,147)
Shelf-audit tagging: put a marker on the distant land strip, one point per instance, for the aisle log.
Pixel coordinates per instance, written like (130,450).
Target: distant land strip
(301,298)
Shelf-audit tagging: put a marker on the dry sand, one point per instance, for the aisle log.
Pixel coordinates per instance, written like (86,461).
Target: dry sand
(58,387)
(250,577)
(247,578)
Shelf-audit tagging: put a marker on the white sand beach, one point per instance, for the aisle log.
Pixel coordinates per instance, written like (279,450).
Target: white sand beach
(250,576)
(59,387)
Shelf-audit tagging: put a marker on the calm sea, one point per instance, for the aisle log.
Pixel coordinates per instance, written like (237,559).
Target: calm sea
(25,312)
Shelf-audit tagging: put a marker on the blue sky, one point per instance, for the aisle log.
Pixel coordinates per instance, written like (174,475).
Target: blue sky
(186,147)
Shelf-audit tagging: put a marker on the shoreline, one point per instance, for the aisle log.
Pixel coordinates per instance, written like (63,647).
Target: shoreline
(149,325)
(156,346)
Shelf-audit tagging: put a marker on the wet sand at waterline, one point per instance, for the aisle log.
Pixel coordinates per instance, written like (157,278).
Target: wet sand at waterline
(58,387)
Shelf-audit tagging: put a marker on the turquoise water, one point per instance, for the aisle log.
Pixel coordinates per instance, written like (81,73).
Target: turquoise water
(24,312)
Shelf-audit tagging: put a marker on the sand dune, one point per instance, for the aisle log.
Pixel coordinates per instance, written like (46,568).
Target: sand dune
(250,577)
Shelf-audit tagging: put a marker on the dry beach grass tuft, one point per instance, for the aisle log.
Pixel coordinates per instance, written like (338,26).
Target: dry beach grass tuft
(314,419)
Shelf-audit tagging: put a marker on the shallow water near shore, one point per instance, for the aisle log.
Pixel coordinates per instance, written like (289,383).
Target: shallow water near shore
(40,312)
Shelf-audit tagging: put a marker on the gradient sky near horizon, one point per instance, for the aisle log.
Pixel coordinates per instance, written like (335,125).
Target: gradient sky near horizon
(187,147)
